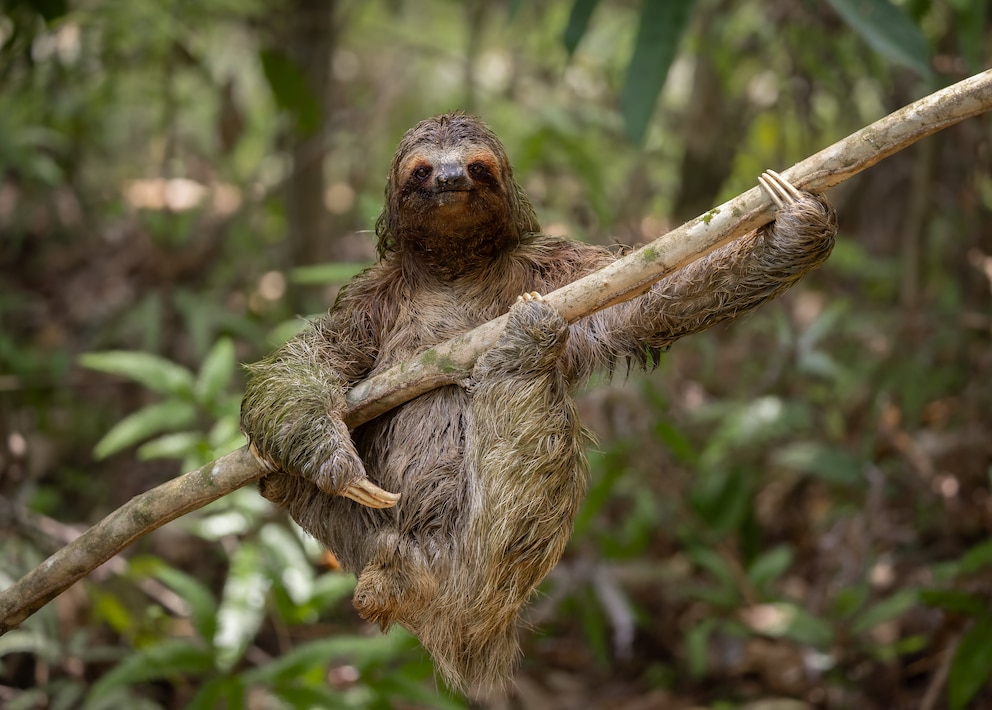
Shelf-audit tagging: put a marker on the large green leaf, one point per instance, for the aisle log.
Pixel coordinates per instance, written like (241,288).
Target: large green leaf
(578,22)
(171,414)
(887,30)
(290,90)
(176,445)
(334,272)
(217,369)
(154,372)
(662,25)
(971,666)
(242,607)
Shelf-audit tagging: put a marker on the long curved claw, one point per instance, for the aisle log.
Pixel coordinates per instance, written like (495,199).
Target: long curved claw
(782,192)
(370,495)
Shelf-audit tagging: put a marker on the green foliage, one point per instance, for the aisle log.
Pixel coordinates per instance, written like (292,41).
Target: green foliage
(578,23)
(971,667)
(659,34)
(290,90)
(191,400)
(334,272)
(887,29)
(971,663)
(269,579)
(787,483)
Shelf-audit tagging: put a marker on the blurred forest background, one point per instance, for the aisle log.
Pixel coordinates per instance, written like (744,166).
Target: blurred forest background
(792,511)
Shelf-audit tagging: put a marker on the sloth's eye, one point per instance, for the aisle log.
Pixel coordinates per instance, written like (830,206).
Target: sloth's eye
(478,170)
(422,172)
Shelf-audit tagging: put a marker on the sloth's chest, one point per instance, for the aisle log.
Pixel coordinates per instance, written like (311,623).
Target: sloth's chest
(427,321)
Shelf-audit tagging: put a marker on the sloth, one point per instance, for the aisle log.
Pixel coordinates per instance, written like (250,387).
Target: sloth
(452,508)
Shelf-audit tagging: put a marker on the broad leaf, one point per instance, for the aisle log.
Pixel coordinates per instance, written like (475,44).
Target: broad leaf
(662,25)
(216,371)
(171,414)
(578,22)
(290,90)
(887,30)
(242,608)
(334,272)
(154,372)
(971,666)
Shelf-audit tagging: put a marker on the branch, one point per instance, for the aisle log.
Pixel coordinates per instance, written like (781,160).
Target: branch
(451,361)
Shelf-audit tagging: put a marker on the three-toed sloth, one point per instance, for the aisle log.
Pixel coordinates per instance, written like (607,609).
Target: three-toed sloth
(490,474)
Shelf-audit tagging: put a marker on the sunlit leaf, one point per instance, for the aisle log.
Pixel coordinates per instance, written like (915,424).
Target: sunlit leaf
(662,24)
(155,418)
(971,666)
(154,372)
(32,642)
(216,371)
(578,22)
(170,446)
(335,272)
(887,30)
(225,435)
(286,554)
(285,330)
(242,606)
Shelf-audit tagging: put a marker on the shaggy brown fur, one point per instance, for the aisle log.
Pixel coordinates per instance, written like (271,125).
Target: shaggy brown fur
(490,475)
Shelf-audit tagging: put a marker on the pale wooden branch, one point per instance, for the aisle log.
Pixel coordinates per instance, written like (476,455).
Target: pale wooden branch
(451,361)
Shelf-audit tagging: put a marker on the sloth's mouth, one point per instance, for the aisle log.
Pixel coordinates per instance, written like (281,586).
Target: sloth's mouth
(451,196)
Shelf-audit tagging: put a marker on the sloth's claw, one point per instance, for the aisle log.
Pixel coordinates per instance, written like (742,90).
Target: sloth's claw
(782,192)
(370,495)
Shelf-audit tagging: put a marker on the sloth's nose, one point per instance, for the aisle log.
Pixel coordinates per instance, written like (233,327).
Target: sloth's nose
(451,176)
